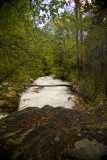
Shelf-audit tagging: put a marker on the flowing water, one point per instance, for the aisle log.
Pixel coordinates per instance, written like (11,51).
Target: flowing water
(53,96)
(2,115)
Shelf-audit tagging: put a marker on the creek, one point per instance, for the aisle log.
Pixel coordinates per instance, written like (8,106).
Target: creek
(53,96)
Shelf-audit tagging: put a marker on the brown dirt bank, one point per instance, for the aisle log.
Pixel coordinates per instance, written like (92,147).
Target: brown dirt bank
(53,134)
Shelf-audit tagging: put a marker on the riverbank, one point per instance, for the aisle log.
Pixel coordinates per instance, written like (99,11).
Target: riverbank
(10,93)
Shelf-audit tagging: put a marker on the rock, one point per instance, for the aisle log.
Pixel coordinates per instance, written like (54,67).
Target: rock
(3,115)
(2,103)
(76,89)
(48,133)
(31,80)
(79,135)
(69,98)
(101,107)
(104,109)
(56,138)
(10,94)
(93,150)
(5,83)
(10,88)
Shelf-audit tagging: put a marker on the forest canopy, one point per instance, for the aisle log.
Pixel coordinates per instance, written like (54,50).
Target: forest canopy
(65,38)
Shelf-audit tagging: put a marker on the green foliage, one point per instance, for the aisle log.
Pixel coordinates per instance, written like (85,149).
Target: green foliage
(72,48)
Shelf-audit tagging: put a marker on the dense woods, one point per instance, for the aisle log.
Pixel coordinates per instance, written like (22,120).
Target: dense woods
(37,39)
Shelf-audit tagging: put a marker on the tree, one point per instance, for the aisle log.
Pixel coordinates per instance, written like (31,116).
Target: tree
(17,39)
(72,44)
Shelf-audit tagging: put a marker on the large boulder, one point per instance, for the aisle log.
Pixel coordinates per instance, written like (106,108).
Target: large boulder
(53,134)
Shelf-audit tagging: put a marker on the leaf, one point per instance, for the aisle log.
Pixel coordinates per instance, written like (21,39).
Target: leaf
(77,119)
(38,12)
(56,10)
(87,7)
(62,5)
(43,19)
(44,16)
(53,16)
(50,6)
(46,10)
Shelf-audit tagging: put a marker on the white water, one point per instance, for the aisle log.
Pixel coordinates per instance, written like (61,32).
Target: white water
(53,96)
(3,115)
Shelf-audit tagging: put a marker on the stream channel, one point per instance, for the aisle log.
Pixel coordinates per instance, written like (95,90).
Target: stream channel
(53,96)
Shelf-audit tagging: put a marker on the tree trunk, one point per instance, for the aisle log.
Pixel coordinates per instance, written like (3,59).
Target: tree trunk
(77,29)
(105,81)
(81,39)
(56,85)
(77,36)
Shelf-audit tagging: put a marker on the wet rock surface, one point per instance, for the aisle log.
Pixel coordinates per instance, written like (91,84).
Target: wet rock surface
(53,134)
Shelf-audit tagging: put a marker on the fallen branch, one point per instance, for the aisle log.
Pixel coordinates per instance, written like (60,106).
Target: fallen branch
(55,85)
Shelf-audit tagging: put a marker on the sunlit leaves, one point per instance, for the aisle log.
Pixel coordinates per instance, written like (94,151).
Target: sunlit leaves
(62,4)
(50,9)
